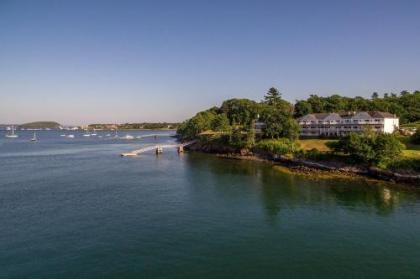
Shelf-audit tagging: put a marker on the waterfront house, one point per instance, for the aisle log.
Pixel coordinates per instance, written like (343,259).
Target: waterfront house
(340,124)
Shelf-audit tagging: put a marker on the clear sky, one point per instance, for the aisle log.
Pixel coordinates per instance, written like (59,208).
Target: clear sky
(79,62)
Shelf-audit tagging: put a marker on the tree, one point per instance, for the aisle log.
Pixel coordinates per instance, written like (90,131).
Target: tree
(237,138)
(375,95)
(416,137)
(317,103)
(240,111)
(387,148)
(221,123)
(334,103)
(278,123)
(272,97)
(302,108)
(370,147)
(201,122)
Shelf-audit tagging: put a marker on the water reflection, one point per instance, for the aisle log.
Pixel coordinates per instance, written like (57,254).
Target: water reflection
(285,191)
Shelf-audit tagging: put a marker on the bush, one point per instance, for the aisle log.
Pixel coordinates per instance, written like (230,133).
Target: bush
(415,139)
(374,149)
(279,147)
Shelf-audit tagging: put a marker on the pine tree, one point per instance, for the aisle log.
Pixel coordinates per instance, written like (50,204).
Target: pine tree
(273,96)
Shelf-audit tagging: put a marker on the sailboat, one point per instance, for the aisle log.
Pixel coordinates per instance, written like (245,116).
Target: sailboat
(34,138)
(12,134)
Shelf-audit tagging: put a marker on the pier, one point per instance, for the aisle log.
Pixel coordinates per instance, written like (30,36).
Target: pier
(158,148)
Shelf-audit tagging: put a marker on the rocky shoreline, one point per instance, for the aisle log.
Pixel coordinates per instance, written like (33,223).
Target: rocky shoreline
(307,166)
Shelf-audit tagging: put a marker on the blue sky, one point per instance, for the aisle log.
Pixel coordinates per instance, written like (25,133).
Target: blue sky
(131,61)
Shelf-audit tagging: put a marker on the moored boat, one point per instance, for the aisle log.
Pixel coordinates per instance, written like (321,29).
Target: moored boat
(12,134)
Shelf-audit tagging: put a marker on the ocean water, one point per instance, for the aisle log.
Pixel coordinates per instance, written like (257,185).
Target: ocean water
(73,208)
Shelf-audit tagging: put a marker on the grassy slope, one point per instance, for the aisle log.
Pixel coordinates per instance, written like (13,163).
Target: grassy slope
(320,144)
(412,151)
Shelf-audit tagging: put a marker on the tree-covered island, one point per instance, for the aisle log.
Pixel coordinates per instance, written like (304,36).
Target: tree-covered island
(269,129)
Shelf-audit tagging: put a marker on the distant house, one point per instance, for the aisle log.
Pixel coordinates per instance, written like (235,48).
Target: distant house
(340,124)
(259,126)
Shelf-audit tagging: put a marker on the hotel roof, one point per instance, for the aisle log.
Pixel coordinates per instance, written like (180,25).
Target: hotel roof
(346,115)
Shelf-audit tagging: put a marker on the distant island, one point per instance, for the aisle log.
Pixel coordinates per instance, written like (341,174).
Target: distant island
(136,126)
(41,125)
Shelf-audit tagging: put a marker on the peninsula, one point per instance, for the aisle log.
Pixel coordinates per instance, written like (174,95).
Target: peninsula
(348,135)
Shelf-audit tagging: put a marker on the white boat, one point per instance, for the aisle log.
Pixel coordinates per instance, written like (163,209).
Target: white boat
(12,134)
(128,137)
(34,138)
(62,135)
(116,134)
(71,136)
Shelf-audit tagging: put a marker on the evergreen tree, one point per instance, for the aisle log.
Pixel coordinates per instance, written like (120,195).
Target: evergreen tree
(273,97)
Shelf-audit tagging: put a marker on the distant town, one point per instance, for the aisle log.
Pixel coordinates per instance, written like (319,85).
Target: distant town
(51,125)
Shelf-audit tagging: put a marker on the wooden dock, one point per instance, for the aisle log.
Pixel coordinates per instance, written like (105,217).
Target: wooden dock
(158,148)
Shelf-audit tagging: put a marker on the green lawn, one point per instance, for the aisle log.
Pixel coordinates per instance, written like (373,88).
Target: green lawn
(411,154)
(412,151)
(320,144)
(411,125)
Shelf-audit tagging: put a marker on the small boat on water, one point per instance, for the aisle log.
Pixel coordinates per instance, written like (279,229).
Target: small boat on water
(70,136)
(128,137)
(34,138)
(12,134)
(62,135)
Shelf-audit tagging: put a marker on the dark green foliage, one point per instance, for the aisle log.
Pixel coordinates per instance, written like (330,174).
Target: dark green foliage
(238,116)
(279,123)
(273,97)
(201,122)
(302,108)
(237,139)
(406,105)
(240,111)
(415,139)
(371,148)
(221,123)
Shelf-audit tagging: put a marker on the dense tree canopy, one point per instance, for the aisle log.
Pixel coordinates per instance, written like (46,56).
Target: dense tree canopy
(406,105)
(240,111)
(370,147)
(238,116)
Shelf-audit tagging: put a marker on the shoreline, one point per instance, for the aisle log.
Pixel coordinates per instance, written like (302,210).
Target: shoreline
(316,169)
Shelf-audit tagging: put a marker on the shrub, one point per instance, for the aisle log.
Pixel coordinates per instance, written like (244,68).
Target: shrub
(279,147)
(415,139)
(371,148)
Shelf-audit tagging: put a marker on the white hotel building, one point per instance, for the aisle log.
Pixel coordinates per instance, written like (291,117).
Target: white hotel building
(340,124)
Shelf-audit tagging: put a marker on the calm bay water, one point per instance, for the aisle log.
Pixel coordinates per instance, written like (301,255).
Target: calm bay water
(72,208)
